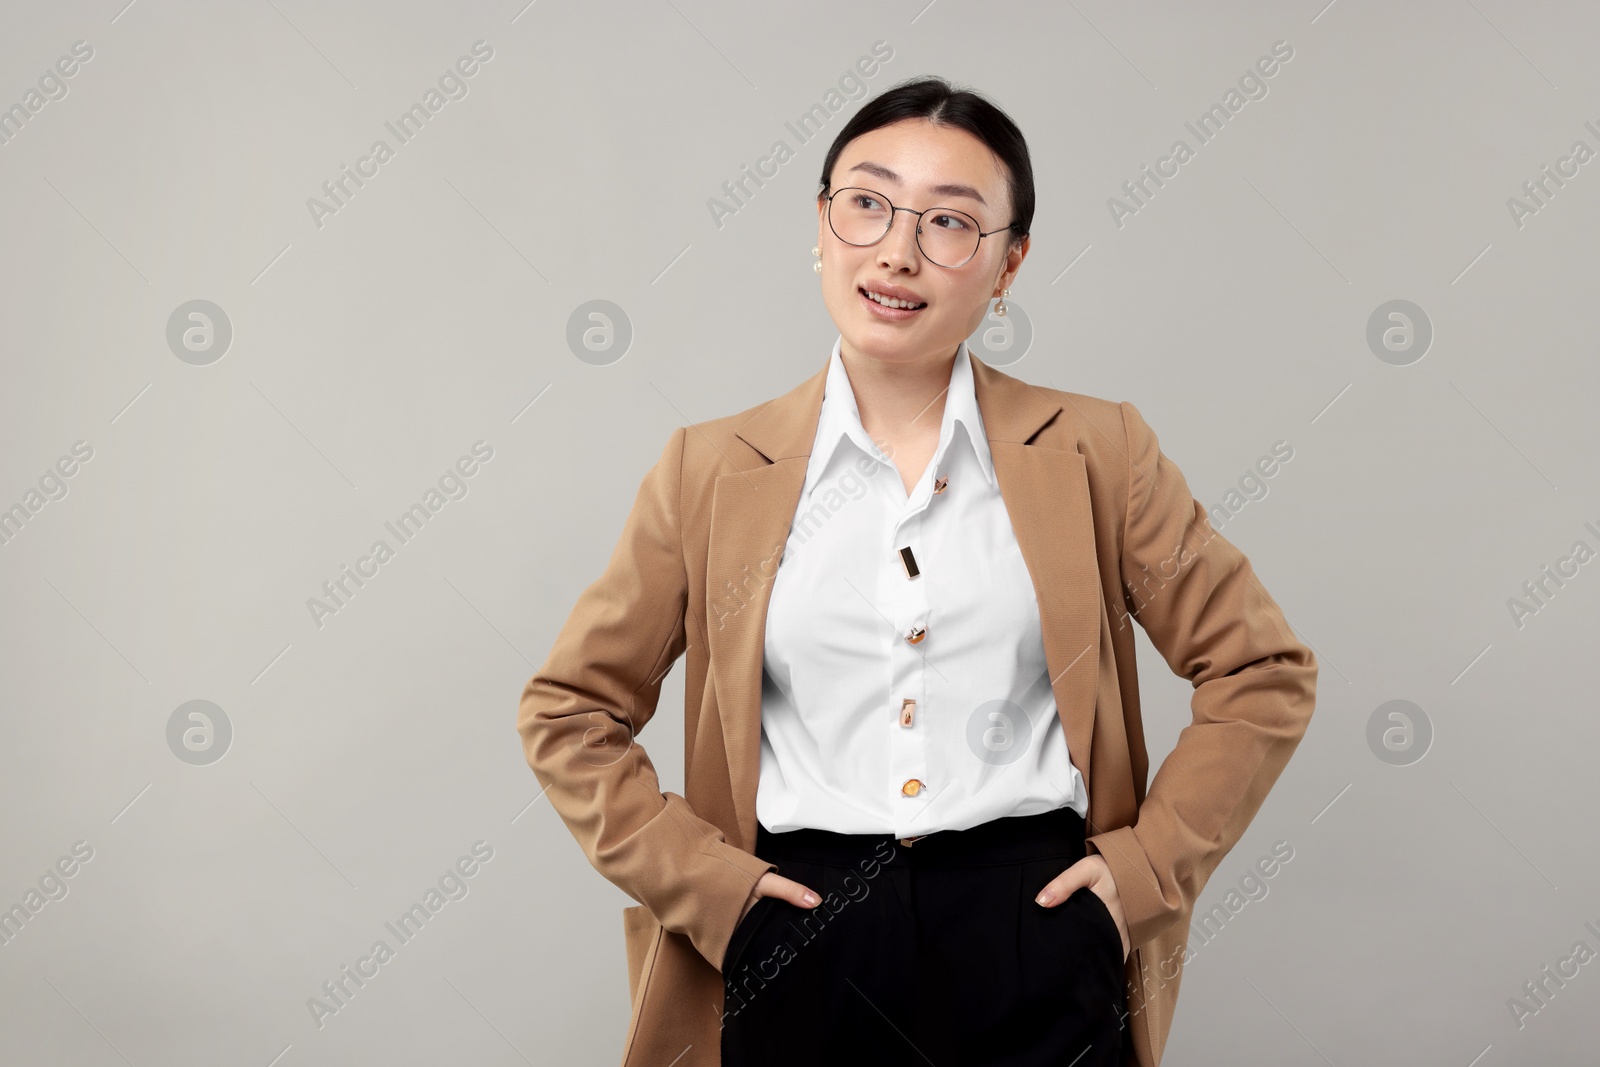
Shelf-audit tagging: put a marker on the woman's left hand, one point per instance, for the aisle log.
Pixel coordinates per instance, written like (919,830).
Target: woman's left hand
(1094,872)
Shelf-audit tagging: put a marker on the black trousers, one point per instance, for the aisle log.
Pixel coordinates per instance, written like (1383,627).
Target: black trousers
(934,948)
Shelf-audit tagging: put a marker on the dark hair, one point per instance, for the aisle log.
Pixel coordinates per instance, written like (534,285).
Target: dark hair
(935,99)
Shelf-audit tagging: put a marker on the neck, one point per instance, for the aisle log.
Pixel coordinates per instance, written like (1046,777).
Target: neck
(901,398)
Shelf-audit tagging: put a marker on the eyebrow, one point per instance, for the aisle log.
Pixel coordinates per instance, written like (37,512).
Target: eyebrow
(947,189)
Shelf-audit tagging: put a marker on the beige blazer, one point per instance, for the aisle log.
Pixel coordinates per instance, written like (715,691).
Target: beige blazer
(1108,529)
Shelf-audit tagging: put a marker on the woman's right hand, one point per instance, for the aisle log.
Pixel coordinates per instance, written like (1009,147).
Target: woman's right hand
(773,884)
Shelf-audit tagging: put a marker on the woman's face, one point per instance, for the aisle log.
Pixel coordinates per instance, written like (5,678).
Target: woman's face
(917,164)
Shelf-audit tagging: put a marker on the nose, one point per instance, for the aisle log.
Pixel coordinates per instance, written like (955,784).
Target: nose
(899,246)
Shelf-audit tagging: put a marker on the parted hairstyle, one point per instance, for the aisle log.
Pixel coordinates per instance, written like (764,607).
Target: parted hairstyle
(937,100)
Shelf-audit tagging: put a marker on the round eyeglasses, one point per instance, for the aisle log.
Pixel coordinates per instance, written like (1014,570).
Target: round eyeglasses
(947,237)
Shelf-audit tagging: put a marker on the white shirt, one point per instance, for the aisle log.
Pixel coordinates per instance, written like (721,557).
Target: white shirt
(984,740)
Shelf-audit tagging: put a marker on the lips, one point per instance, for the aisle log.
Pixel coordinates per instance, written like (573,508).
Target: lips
(884,313)
(902,296)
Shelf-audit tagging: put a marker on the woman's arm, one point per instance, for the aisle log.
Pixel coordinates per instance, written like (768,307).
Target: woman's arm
(597,689)
(1197,597)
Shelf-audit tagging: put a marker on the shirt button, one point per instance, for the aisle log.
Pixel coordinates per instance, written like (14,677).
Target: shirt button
(916,634)
(938,485)
(908,708)
(912,787)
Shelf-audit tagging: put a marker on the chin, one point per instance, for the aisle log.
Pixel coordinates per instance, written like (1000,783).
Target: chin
(892,348)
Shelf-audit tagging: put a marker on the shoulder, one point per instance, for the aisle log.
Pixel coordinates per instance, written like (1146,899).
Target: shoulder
(775,430)
(1095,427)
(1086,423)
(1111,436)
(725,428)
(1105,432)
(713,446)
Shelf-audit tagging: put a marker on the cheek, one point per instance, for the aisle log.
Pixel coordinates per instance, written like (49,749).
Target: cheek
(840,289)
(840,269)
(961,305)
(968,319)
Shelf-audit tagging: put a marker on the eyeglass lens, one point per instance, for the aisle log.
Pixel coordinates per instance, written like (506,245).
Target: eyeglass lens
(861,217)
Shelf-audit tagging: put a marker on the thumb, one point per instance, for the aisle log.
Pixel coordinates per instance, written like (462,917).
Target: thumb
(773,884)
(1065,884)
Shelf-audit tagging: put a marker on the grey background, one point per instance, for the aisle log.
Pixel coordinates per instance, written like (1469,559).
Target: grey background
(368,754)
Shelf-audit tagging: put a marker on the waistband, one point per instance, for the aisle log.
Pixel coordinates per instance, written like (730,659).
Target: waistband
(1012,839)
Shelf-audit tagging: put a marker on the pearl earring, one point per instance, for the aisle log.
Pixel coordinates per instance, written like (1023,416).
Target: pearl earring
(817,251)
(1000,308)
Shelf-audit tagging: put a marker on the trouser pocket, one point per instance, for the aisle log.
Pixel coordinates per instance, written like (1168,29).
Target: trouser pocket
(1113,936)
(744,932)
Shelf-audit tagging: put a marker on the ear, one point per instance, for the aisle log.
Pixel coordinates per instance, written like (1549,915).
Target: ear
(1015,254)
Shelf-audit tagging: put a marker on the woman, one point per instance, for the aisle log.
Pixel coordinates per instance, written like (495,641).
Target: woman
(917,820)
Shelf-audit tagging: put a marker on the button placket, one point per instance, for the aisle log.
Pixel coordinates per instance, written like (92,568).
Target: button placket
(909,739)
(932,530)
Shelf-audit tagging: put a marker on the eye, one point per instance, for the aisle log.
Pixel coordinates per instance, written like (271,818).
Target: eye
(862,200)
(952,222)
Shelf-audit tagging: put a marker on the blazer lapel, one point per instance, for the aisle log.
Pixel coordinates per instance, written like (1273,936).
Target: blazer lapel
(1046,493)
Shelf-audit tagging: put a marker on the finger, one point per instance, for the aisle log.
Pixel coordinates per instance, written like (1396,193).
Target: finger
(1085,872)
(1063,886)
(797,893)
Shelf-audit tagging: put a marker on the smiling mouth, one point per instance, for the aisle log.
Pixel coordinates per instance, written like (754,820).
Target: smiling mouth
(891,302)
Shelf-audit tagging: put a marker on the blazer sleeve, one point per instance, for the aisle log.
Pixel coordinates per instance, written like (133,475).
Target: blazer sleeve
(581,710)
(1205,611)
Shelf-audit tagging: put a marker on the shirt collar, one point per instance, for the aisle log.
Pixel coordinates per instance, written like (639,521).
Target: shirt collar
(841,417)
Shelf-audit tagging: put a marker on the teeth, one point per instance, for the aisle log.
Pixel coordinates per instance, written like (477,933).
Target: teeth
(888,301)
